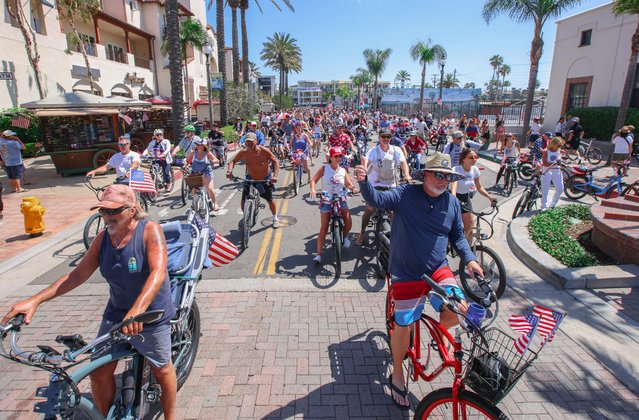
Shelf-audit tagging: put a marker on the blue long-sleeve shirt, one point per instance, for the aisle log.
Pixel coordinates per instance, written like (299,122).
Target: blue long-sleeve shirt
(260,138)
(421,228)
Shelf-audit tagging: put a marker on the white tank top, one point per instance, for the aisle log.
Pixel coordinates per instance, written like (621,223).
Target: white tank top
(552,157)
(333,179)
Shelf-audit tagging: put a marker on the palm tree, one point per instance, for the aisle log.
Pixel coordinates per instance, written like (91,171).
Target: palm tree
(522,11)
(504,71)
(402,77)
(233,4)
(450,81)
(361,78)
(221,56)
(470,85)
(175,67)
(192,34)
(425,53)
(376,61)
(627,7)
(504,85)
(281,53)
(495,62)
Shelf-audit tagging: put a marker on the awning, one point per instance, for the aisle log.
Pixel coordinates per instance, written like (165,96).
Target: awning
(75,112)
(83,100)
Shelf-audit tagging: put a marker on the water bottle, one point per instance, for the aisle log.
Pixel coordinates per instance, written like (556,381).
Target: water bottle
(475,315)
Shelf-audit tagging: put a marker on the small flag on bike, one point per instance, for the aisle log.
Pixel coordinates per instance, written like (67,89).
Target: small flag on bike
(141,181)
(521,323)
(557,318)
(221,250)
(522,343)
(546,320)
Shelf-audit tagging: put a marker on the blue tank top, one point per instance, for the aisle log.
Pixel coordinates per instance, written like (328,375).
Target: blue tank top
(126,270)
(201,165)
(299,144)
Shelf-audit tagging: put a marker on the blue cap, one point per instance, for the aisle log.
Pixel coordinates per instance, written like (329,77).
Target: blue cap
(128,136)
(7,133)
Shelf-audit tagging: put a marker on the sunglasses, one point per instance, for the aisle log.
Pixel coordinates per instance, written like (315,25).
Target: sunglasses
(338,156)
(112,212)
(384,137)
(123,144)
(441,176)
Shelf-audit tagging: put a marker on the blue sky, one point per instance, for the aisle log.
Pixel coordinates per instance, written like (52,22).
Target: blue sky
(333,33)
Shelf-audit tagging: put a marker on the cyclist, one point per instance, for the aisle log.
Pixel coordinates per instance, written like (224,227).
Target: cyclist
(384,162)
(425,218)
(252,128)
(340,139)
(551,173)
(187,144)
(217,143)
(160,148)
(131,255)
(278,145)
(465,188)
(122,162)
(538,147)
(201,160)
(300,141)
(257,160)
(510,150)
(334,180)
(416,146)
(237,127)
(455,147)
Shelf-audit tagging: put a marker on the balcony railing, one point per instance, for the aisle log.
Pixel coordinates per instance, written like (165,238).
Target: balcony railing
(89,47)
(116,56)
(142,62)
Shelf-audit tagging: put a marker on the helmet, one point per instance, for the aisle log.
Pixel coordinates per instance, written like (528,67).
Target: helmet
(158,131)
(189,128)
(336,151)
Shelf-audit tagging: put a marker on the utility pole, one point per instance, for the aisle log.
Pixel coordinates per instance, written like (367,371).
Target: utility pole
(454,75)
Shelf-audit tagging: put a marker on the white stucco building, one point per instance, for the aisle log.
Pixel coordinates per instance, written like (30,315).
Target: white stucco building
(590,62)
(123,42)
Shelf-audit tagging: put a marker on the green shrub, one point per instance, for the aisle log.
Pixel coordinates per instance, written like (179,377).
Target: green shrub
(31,149)
(599,122)
(29,135)
(549,231)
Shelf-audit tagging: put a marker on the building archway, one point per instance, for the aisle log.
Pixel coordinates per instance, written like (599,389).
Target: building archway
(123,90)
(84,86)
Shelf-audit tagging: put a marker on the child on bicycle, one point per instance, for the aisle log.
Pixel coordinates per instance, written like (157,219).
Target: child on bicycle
(301,141)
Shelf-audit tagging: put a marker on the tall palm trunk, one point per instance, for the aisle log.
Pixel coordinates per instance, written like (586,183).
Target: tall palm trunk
(376,95)
(221,57)
(630,78)
(244,4)
(236,47)
(281,85)
(536,48)
(186,84)
(30,41)
(175,67)
(421,90)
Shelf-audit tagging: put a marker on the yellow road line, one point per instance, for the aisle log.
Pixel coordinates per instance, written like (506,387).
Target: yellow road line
(261,256)
(270,271)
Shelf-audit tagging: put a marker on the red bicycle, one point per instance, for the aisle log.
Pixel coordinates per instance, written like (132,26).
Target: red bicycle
(491,369)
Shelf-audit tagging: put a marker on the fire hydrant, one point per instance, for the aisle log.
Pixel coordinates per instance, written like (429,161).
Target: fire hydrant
(32,211)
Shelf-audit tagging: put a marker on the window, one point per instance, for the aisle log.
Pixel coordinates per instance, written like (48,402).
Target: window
(133,4)
(89,45)
(585,38)
(577,96)
(37,17)
(115,53)
(7,16)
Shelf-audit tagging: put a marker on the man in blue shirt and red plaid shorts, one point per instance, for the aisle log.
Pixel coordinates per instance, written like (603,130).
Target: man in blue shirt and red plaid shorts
(425,218)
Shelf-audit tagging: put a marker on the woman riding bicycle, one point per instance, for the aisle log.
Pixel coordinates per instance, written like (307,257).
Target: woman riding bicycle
(160,148)
(334,180)
(201,160)
(300,141)
(465,189)
(510,150)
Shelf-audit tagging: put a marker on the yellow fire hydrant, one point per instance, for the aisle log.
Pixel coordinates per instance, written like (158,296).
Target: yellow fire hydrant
(32,211)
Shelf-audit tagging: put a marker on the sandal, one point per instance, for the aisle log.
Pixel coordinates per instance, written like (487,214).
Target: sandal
(401,392)
(216,207)
(360,240)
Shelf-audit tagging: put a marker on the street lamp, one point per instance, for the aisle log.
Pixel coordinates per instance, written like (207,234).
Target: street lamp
(208,51)
(442,62)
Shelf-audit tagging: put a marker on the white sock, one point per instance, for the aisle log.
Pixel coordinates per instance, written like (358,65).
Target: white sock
(274,217)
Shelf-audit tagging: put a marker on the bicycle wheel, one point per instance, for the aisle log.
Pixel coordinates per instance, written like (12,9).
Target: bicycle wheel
(157,177)
(152,197)
(525,171)
(439,405)
(185,339)
(200,206)
(247,222)
(576,187)
(381,256)
(426,149)
(510,182)
(494,274)
(296,187)
(184,191)
(337,245)
(632,189)
(594,155)
(507,177)
(521,204)
(92,227)
(144,199)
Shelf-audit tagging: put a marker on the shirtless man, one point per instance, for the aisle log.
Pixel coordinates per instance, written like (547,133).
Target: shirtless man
(257,160)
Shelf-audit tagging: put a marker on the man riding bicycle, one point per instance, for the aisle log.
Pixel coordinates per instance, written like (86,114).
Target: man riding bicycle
(122,162)
(187,144)
(132,257)
(160,148)
(217,143)
(425,218)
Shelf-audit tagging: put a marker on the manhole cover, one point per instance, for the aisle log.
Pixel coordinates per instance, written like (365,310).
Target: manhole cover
(284,221)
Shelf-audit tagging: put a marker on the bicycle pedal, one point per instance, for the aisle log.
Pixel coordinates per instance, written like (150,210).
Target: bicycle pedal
(483,236)
(153,393)
(262,206)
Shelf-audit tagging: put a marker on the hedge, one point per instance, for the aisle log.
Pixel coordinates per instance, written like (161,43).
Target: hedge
(599,122)
(549,231)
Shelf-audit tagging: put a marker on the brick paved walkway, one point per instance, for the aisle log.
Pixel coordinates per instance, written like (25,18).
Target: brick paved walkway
(317,355)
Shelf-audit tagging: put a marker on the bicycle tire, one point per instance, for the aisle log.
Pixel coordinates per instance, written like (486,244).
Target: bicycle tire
(296,187)
(184,365)
(157,178)
(494,274)
(426,149)
(507,183)
(247,222)
(381,257)
(438,404)
(510,182)
(184,191)
(143,199)
(633,189)
(526,171)
(522,203)
(93,226)
(594,155)
(337,245)
(571,190)
(202,208)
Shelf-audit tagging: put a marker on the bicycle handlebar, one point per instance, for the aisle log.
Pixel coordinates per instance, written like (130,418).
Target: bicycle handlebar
(337,196)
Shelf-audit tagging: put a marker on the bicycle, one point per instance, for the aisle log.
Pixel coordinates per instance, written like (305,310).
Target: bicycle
(525,168)
(362,150)
(157,175)
(488,259)
(139,389)
(95,224)
(510,175)
(252,206)
(193,187)
(298,169)
(528,199)
(381,220)
(279,149)
(336,226)
(591,153)
(579,186)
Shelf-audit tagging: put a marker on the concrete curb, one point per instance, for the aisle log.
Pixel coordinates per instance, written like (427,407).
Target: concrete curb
(551,270)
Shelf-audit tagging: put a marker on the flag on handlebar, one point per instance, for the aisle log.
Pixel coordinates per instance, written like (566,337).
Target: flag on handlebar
(221,250)
(141,181)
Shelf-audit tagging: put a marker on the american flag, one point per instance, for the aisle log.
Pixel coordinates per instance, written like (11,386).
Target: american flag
(546,321)
(522,343)
(141,181)
(520,323)
(221,250)
(20,122)
(557,317)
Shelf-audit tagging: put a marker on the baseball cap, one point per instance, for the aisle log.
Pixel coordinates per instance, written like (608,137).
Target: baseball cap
(384,132)
(253,123)
(200,142)
(548,133)
(336,151)
(8,133)
(575,119)
(458,134)
(250,137)
(116,196)
(413,133)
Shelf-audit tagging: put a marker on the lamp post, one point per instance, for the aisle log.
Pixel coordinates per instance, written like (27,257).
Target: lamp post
(442,62)
(208,51)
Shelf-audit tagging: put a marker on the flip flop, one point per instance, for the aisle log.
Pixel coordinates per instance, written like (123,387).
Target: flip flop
(401,393)
(216,207)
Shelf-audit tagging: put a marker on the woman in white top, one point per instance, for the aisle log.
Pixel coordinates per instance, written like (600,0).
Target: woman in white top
(334,180)
(623,146)
(201,160)
(551,173)
(466,188)
(510,150)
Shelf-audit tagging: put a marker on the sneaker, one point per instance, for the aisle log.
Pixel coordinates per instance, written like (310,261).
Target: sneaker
(317,259)
(276,223)
(347,243)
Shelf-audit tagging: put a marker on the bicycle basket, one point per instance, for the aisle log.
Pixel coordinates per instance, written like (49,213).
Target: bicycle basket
(495,366)
(194,180)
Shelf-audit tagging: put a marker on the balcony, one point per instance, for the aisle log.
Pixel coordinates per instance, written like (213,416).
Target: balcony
(117,56)
(142,62)
(89,47)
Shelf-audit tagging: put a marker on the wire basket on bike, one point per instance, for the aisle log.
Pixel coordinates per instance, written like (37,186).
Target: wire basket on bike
(194,180)
(495,365)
